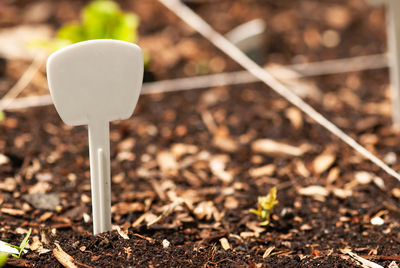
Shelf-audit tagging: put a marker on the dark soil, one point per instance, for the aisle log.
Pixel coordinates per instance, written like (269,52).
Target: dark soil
(166,153)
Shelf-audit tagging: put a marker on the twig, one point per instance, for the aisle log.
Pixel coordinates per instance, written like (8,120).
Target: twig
(364,262)
(21,84)
(235,78)
(63,258)
(381,257)
(197,23)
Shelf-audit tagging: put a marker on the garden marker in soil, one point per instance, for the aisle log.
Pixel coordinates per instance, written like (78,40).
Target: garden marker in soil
(393,33)
(92,83)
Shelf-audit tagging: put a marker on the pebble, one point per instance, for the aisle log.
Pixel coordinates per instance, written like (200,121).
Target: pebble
(377,221)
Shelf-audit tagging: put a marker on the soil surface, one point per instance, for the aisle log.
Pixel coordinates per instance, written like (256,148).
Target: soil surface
(188,166)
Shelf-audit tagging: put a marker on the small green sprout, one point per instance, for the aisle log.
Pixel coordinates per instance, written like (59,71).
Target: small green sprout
(3,258)
(265,206)
(101,19)
(22,246)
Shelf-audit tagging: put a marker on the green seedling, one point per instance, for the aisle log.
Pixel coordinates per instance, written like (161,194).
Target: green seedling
(100,19)
(22,246)
(3,258)
(265,207)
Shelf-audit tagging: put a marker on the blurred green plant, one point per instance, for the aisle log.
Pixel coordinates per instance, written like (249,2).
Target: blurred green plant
(101,19)
(22,246)
(3,258)
(265,206)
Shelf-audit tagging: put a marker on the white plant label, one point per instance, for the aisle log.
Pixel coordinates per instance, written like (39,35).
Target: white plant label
(393,30)
(92,83)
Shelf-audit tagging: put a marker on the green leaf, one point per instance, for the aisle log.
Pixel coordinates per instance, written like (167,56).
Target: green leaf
(265,207)
(22,246)
(25,241)
(72,33)
(3,259)
(101,19)
(126,28)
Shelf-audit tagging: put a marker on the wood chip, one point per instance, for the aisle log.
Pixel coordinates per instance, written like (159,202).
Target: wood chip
(225,243)
(363,177)
(231,202)
(4,159)
(342,193)
(396,192)
(124,208)
(268,252)
(166,243)
(120,232)
(63,258)
(267,170)
(295,117)
(35,245)
(181,149)
(217,167)
(271,147)
(255,227)
(45,216)
(246,235)
(323,162)
(9,184)
(12,211)
(306,227)
(126,145)
(204,210)
(226,144)
(167,163)
(314,190)
(378,181)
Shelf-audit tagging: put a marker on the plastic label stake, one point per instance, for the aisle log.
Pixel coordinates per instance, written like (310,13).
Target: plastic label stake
(92,83)
(393,32)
